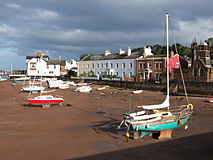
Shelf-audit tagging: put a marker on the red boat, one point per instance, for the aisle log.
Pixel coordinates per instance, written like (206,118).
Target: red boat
(210,100)
(45,100)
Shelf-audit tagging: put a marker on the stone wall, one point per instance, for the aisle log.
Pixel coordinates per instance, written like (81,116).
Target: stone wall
(192,88)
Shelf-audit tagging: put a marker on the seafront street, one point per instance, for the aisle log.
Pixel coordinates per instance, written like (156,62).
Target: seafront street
(84,127)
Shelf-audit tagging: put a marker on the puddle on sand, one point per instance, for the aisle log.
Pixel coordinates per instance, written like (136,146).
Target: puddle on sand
(100,112)
(100,146)
(75,128)
(121,132)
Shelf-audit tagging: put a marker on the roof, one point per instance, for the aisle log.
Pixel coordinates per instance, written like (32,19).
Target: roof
(30,57)
(161,56)
(57,62)
(134,55)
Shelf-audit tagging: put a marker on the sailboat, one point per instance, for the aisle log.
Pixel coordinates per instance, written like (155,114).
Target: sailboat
(157,118)
(22,79)
(45,100)
(33,88)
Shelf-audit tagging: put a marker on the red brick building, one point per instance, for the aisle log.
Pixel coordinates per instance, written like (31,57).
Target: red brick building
(154,66)
(150,67)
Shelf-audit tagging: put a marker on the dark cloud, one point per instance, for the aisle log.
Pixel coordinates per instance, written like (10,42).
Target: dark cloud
(70,28)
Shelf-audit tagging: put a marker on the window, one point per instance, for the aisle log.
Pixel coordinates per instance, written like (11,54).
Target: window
(50,72)
(202,73)
(111,65)
(102,65)
(123,65)
(87,65)
(156,65)
(123,74)
(195,72)
(149,64)
(92,65)
(47,66)
(198,73)
(32,65)
(157,76)
(130,65)
(144,65)
(98,65)
(54,66)
(160,65)
(117,65)
(116,73)
(106,65)
(130,74)
(140,65)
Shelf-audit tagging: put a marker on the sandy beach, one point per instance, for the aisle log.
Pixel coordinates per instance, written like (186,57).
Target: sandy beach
(84,127)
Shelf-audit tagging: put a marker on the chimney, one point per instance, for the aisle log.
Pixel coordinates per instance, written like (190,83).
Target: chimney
(129,51)
(147,51)
(121,51)
(107,52)
(38,53)
(172,53)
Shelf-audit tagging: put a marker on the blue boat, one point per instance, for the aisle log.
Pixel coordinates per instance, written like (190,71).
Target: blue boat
(22,79)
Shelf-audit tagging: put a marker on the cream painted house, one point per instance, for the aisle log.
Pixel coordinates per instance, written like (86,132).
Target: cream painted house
(122,64)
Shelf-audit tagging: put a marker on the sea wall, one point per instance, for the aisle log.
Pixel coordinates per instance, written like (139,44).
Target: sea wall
(192,88)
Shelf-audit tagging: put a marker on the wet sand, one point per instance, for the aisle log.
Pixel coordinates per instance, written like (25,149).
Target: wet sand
(84,127)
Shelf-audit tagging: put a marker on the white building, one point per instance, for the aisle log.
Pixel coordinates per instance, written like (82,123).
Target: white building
(41,65)
(122,64)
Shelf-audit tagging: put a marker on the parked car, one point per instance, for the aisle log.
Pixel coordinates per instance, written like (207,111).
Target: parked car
(192,81)
(153,80)
(174,81)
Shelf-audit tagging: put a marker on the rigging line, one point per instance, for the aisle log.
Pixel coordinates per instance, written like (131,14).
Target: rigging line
(181,72)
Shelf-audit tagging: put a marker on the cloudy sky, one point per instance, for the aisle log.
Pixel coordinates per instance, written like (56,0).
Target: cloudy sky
(69,28)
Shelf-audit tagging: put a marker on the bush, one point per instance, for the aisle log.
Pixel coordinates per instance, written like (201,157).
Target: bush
(92,75)
(110,76)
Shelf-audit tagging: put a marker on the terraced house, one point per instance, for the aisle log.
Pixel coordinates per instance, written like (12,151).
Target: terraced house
(122,64)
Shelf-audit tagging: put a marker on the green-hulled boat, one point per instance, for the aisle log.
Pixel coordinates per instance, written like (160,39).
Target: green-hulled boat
(158,118)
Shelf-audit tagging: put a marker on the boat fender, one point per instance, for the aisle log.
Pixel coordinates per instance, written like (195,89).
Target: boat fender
(190,106)
(137,128)
(186,127)
(127,134)
(163,116)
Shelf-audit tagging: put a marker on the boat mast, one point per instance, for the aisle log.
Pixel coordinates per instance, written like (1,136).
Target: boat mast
(167,53)
(41,58)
